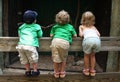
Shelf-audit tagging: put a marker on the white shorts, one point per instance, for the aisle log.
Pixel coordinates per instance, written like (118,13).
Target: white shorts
(91,45)
(27,54)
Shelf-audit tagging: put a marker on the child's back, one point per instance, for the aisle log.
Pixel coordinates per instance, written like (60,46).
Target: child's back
(29,33)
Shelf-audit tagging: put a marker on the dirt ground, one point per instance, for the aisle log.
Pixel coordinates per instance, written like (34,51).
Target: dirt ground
(45,65)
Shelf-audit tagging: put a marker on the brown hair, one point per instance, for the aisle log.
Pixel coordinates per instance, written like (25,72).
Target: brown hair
(62,17)
(88,18)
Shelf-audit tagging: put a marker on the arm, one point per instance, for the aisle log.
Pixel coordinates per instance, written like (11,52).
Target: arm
(39,32)
(75,36)
(98,33)
(74,33)
(80,31)
(18,33)
(51,32)
(51,35)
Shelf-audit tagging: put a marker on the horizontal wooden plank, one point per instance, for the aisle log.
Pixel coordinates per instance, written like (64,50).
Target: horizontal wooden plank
(100,77)
(8,44)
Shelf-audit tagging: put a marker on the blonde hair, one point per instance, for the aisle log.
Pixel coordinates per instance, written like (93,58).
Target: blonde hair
(62,17)
(88,18)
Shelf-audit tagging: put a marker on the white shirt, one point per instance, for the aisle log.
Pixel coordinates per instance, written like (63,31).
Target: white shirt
(90,33)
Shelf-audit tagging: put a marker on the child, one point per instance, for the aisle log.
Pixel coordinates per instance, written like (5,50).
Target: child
(29,32)
(91,42)
(61,34)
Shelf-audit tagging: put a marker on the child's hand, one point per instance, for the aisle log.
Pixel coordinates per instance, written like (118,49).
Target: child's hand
(75,36)
(51,35)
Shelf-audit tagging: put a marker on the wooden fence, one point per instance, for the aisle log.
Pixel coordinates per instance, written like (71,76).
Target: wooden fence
(7,44)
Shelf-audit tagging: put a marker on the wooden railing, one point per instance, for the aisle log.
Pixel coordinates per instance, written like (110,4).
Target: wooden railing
(8,44)
(100,77)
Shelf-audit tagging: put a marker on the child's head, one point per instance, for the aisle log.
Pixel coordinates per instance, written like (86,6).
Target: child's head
(29,16)
(88,19)
(62,17)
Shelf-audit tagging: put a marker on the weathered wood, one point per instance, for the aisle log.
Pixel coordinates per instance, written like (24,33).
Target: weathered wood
(113,57)
(0,17)
(8,44)
(1,31)
(100,77)
(5,17)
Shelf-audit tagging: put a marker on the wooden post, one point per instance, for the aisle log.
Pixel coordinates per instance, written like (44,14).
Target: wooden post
(119,62)
(5,31)
(1,54)
(113,60)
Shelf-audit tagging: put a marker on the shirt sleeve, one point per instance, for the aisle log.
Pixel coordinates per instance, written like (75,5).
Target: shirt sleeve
(18,32)
(40,32)
(73,31)
(52,32)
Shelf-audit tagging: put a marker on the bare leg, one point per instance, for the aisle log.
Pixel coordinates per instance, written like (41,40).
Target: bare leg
(35,67)
(56,70)
(86,61)
(86,64)
(62,66)
(56,67)
(27,67)
(35,71)
(62,69)
(92,60)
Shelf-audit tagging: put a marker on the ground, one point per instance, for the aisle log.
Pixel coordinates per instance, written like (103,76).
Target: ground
(46,66)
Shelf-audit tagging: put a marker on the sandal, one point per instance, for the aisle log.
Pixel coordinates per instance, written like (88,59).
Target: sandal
(56,74)
(92,72)
(62,74)
(86,72)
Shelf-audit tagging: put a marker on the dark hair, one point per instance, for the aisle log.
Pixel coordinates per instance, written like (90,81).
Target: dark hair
(29,16)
